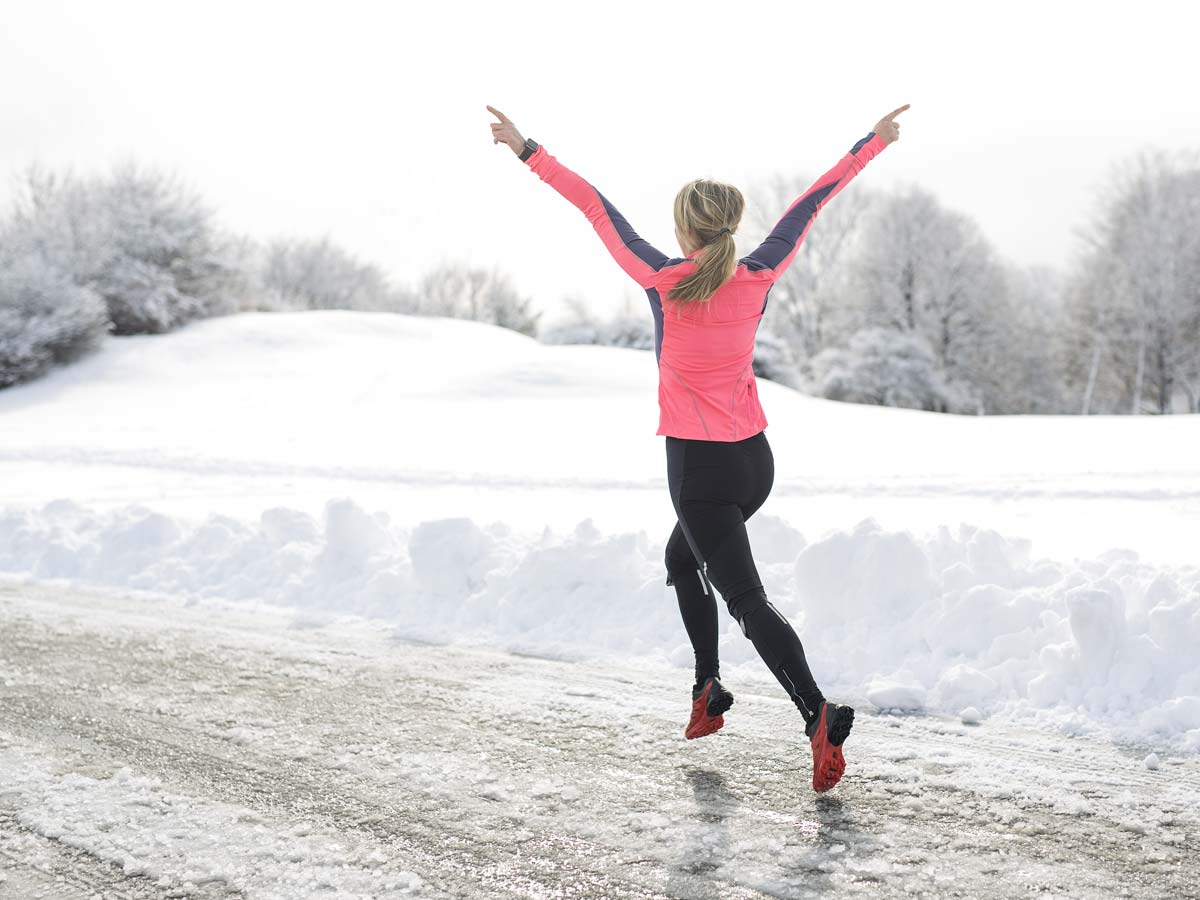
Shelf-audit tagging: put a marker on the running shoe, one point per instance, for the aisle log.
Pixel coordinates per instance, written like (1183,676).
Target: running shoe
(827,731)
(709,701)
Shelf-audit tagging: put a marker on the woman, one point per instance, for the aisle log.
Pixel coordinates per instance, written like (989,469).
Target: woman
(707,305)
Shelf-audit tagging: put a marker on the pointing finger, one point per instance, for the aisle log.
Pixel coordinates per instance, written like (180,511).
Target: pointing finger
(897,111)
(500,115)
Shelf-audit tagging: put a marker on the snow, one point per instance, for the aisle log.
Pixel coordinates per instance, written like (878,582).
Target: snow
(468,484)
(900,693)
(183,842)
(211,742)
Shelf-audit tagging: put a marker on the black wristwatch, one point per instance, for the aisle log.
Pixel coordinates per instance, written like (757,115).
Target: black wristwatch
(530,147)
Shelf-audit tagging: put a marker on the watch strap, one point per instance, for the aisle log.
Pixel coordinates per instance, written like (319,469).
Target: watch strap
(530,148)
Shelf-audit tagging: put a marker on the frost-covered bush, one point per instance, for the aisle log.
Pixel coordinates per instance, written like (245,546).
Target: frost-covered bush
(318,274)
(773,360)
(576,331)
(460,291)
(636,332)
(885,367)
(138,238)
(623,330)
(45,318)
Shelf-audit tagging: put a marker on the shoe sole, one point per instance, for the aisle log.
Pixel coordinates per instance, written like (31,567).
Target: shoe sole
(837,729)
(708,726)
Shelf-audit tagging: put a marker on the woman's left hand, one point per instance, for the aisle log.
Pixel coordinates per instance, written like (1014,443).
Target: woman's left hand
(506,132)
(888,129)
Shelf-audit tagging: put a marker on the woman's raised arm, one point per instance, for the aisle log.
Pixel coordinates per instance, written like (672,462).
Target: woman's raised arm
(779,248)
(634,254)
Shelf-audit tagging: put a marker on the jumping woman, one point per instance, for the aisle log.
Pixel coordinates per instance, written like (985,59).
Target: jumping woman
(707,305)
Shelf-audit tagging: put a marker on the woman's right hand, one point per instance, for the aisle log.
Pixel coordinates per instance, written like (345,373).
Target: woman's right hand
(505,132)
(886,128)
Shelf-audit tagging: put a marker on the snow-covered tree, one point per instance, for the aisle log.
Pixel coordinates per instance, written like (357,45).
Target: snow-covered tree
(807,300)
(45,317)
(1135,293)
(137,237)
(889,367)
(927,270)
(319,274)
(774,361)
(485,295)
(1018,367)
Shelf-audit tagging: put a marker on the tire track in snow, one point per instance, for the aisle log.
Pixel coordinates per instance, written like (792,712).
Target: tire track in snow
(198,762)
(491,774)
(32,865)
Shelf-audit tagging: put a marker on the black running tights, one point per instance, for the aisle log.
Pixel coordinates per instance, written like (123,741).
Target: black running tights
(715,487)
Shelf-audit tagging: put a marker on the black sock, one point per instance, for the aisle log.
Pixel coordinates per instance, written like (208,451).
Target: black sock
(780,648)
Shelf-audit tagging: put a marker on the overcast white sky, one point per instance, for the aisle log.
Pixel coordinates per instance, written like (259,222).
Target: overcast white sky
(367,121)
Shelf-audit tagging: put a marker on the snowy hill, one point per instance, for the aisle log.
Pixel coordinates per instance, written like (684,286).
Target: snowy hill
(471,484)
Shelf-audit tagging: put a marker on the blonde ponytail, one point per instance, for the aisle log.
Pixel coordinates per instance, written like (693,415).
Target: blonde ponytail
(709,211)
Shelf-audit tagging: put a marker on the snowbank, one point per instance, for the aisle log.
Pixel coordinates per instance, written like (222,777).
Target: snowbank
(959,622)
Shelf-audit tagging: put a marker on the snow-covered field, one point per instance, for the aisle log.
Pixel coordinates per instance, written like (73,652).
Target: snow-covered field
(469,484)
(1011,603)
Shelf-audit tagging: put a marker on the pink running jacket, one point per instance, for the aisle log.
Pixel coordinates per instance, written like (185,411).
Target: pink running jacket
(706,384)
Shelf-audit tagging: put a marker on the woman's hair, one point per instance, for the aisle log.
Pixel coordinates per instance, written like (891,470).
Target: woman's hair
(702,208)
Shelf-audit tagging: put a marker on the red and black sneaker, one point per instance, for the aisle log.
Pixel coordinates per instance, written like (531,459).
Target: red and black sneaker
(827,732)
(709,701)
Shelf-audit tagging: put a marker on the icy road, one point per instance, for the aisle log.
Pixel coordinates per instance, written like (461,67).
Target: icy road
(150,748)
